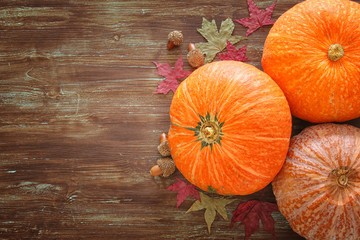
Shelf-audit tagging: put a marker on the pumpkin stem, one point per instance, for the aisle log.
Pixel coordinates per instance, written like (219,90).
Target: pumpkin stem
(342,178)
(335,52)
(209,132)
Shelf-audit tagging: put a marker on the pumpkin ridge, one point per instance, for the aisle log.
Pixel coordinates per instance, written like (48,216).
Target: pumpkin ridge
(311,167)
(228,150)
(249,99)
(311,155)
(316,152)
(226,90)
(186,144)
(187,97)
(304,208)
(238,177)
(216,173)
(227,172)
(354,218)
(260,138)
(243,111)
(223,99)
(239,142)
(190,137)
(190,146)
(355,162)
(334,143)
(194,165)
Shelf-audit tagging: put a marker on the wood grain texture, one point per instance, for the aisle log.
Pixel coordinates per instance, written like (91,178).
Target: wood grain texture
(79,123)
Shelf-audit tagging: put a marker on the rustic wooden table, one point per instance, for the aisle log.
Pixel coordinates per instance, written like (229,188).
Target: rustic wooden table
(80,124)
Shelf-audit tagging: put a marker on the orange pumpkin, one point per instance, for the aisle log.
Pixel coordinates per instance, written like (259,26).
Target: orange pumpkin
(318,188)
(230,128)
(313,53)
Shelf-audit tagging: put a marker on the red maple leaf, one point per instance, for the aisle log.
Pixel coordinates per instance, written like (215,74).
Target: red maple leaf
(233,53)
(172,76)
(258,17)
(184,191)
(249,213)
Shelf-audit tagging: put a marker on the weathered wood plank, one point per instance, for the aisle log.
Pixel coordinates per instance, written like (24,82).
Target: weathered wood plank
(79,123)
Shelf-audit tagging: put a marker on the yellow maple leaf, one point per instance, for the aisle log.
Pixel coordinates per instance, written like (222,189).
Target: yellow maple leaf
(217,39)
(212,205)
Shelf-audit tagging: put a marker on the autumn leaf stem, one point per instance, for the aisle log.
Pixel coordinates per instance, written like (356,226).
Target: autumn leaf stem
(260,24)
(262,193)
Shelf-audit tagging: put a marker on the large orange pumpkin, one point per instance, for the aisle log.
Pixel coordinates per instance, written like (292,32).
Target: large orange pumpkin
(318,188)
(230,128)
(313,53)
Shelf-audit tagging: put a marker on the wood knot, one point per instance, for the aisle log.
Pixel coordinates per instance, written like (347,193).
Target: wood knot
(53,92)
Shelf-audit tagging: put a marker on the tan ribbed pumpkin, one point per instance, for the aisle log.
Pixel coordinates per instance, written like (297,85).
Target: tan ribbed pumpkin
(318,188)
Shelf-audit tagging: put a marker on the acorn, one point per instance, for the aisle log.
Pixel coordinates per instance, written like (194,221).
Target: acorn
(195,57)
(165,167)
(164,149)
(163,137)
(175,38)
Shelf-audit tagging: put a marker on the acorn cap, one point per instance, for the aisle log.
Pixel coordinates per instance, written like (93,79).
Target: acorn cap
(195,58)
(176,37)
(167,166)
(164,148)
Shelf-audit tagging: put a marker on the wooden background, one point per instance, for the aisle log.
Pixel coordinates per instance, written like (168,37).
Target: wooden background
(80,124)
